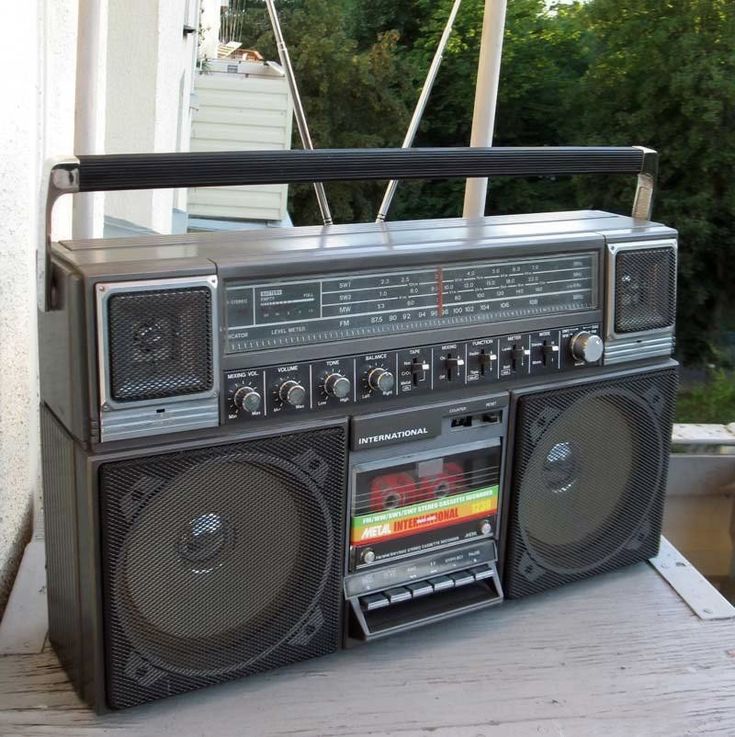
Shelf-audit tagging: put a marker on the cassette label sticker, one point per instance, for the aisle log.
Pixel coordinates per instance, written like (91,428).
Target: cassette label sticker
(429,515)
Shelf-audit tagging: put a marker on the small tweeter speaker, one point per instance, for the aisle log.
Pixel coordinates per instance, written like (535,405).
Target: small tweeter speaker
(645,289)
(641,300)
(588,478)
(157,357)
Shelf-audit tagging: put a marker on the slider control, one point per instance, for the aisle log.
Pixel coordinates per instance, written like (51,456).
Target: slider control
(453,364)
(419,367)
(486,361)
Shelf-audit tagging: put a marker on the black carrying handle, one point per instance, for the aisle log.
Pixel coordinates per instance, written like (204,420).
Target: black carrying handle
(210,169)
(106,173)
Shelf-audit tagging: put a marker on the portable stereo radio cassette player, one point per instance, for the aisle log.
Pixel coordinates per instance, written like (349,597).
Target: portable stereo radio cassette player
(264,446)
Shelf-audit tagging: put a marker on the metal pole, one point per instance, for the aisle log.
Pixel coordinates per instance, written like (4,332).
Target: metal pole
(298,108)
(486,95)
(89,124)
(420,107)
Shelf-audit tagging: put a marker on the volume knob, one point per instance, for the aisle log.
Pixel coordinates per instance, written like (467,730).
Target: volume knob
(247,399)
(586,347)
(291,392)
(381,380)
(337,386)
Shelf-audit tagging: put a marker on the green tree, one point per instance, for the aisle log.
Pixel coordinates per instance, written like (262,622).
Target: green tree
(352,97)
(662,74)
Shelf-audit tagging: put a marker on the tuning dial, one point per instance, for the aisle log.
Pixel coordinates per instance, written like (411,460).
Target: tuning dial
(291,392)
(337,386)
(586,347)
(247,399)
(381,380)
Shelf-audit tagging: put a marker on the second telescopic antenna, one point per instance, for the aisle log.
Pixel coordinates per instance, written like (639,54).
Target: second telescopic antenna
(420,107)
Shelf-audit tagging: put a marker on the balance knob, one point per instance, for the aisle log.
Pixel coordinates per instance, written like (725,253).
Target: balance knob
(586,347)
(337,386)
(381,380)
(291,392)
(247,399)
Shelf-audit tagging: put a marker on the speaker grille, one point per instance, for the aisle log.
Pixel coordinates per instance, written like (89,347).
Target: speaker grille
(645,289)
(160,343)
(589,479)
(221,562)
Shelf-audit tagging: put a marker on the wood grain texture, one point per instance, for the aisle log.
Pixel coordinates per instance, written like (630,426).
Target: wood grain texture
(617,655)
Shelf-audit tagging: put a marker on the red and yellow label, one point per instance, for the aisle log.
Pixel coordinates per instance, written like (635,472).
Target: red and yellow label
(414,518)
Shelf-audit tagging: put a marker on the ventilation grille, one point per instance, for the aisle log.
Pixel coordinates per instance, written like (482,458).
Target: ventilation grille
(221,562)
(645,289)
(160,343)
(589,479)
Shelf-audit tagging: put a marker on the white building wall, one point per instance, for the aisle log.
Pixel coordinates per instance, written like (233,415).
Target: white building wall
(149,62)
(248,109)
(37,122)
(146,55)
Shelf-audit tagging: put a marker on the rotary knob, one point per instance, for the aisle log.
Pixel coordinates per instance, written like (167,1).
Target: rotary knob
(586,347)
(338,386)
(247,399)
(291,392)
(381,380)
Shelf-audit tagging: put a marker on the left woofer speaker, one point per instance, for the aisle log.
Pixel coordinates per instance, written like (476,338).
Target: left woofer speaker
(216,562)
(588,478)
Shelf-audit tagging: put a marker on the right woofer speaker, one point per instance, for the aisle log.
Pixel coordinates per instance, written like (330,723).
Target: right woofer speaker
(588,478)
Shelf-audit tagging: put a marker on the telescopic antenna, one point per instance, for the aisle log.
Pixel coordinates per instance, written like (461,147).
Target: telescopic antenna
(298,108)
(420,107)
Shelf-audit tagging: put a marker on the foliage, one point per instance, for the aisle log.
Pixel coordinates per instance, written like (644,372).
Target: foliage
(711,401)
(352,97)
(649,72)
(662,74)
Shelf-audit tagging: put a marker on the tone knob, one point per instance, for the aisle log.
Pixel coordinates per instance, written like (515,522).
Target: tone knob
(291,392)
(586,347)
(381,380)
(337,386)
(247,399)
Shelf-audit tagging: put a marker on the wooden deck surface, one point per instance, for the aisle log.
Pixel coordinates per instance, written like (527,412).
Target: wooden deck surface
(617,655)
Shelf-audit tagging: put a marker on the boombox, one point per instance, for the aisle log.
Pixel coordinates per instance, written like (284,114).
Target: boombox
(264,446)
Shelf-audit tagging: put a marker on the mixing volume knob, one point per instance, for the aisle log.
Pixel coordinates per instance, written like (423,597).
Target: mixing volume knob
(291,392)
(586,347)
(381,380)
(247,399)
(337,386)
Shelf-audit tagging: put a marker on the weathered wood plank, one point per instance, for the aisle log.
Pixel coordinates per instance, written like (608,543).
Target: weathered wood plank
(703,434)
(617,655)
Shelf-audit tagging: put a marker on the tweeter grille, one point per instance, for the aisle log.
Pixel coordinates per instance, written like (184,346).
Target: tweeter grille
(159,343)
(221,562)
(645,289)
(588,480)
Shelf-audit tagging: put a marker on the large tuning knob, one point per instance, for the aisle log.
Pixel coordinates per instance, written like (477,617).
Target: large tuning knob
(247,399)
(586,347)
(381,380)
(291,392)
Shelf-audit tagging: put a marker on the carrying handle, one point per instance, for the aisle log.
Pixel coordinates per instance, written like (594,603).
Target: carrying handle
(107,173)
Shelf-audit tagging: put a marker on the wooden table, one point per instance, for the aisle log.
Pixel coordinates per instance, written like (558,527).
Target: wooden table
(621,654)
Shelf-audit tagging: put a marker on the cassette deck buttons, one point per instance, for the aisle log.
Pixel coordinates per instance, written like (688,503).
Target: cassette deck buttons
(462,578)
(420,588)
(373,601)
(441,583)
(481,572)
(397,595)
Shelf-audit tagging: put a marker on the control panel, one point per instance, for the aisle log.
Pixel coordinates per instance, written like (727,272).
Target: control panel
(375,378)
